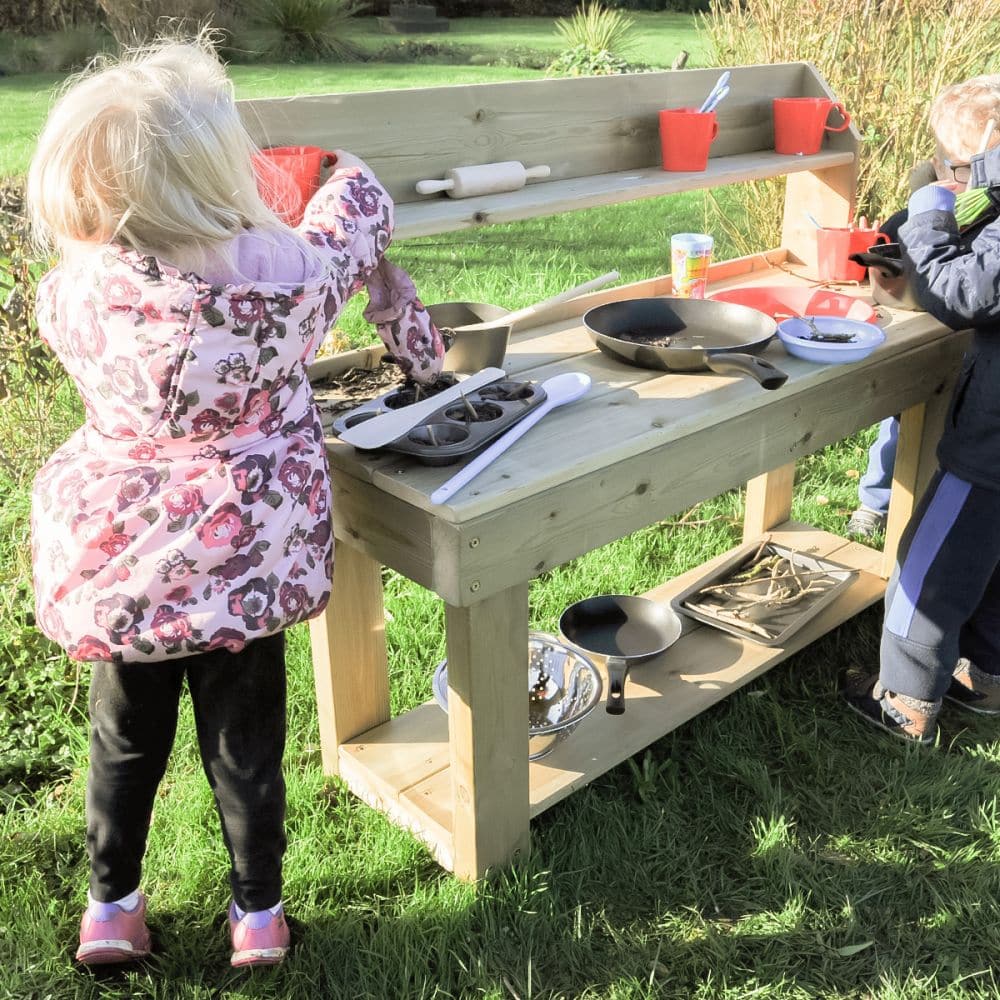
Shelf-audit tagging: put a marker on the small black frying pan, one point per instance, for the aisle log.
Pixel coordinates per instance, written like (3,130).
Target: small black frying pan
(626,630)
(686,335)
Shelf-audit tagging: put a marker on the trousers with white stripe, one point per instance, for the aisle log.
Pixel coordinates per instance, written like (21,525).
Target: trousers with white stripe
(943,601)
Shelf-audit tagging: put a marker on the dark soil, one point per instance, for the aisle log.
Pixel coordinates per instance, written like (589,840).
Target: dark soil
(336,394)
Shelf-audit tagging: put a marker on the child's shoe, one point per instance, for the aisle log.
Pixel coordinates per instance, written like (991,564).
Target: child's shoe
(909,718)
(109,933)
(974,689)
(260,938)
(866,523)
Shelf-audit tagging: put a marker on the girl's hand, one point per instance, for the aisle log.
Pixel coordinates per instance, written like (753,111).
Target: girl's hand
(345,161)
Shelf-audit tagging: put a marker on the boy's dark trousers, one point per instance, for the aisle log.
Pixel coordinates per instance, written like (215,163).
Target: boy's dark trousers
(239,711)
(943,600)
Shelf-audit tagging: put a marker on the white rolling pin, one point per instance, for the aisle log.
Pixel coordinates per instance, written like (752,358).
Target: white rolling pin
(486,178)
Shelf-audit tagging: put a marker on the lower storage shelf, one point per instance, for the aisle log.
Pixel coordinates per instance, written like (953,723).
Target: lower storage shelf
(403,766)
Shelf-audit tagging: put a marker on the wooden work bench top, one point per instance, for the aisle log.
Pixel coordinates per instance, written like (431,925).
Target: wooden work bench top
(671,439)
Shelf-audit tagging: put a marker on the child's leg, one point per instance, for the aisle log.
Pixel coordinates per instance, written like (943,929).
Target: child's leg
(133,717)
(980,639)
(875,485)
(239,706)
(950,553)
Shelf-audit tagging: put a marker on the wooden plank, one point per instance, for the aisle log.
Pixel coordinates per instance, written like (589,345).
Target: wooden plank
(540,198)
(349,655)
(768,500)
(578,492)
(536,346)
(410,540)
(579,127)
(382,764)
(486,685)
(920,430)
(404,764)
(674,403)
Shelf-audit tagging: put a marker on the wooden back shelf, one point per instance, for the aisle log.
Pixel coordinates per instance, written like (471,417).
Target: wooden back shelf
(599,135)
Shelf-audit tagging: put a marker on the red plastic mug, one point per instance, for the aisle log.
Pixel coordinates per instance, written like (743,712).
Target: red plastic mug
(288,176)
(835,245)
(799,123)
(685,135)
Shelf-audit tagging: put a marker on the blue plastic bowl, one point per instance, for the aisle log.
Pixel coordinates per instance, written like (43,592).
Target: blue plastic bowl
(799,340)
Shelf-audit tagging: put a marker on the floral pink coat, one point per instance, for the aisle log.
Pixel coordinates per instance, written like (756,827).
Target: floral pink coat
(191,510)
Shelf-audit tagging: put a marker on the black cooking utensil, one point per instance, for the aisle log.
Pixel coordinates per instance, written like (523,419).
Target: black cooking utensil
(671,334)
(627,630)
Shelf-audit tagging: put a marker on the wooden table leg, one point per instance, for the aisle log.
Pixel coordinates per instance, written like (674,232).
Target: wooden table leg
(488,730)
(916,459)
(769,501)
(348,654)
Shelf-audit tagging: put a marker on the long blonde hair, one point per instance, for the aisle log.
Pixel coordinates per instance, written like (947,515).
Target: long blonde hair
(148,151)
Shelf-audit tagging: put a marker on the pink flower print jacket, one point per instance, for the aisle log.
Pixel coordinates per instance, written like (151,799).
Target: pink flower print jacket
(191,511)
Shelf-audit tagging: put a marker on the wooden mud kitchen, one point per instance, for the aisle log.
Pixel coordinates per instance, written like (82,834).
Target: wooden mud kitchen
(655,443)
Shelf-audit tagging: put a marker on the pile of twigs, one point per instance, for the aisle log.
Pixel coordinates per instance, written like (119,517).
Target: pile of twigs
(758,594)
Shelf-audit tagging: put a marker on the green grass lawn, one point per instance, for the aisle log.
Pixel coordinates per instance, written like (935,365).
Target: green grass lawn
(770,848)
(657,40)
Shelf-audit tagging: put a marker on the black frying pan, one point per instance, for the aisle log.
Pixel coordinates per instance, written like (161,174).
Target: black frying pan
(686,335)
(627,630)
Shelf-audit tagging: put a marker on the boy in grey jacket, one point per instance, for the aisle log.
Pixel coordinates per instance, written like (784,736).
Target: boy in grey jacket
(958,118)
(941,635)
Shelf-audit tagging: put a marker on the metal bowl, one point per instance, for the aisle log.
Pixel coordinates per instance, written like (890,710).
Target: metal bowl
(476,349)
(563,688)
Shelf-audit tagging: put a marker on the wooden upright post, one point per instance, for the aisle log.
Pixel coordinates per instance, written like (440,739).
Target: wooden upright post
(349,655)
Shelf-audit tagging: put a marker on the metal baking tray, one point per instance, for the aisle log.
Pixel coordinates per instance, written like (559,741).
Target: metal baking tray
(781,623)
(449,433)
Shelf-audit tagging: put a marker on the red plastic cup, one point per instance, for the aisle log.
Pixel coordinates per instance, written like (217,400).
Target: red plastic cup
(835,245)
(685,135)
(288,176)
(799,123)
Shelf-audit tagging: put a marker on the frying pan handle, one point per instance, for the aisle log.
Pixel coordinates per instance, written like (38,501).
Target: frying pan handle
(617,672)
(887,266)
(747,364)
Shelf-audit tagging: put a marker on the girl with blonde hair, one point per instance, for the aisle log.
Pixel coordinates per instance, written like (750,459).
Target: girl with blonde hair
(186,524)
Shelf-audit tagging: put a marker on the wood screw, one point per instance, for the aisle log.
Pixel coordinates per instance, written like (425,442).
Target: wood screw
(473,543)
(474,586)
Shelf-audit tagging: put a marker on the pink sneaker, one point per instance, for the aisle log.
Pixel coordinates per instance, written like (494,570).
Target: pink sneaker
(122,937)
(263,944)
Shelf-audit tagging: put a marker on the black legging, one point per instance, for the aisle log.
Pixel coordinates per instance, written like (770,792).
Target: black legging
(239,711)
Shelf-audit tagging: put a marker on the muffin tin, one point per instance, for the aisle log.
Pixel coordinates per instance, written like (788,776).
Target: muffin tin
(450,433)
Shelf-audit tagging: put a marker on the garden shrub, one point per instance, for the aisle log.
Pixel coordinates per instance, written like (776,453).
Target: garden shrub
(303,30)
(43,16)
(134,22)
(410,50)
(886,61)
(37,683)
(30,375)
(597,38)
(581,61)
(72,48)
(19,54)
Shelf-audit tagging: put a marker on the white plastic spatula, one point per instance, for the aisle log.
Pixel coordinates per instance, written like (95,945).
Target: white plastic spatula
(559,389)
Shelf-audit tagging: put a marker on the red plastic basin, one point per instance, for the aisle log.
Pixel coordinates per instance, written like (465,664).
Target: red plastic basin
(782,301)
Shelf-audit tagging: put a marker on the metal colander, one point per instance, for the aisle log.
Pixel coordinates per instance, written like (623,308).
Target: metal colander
(563,688)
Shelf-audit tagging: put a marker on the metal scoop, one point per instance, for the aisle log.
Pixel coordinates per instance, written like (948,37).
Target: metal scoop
(509,319)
